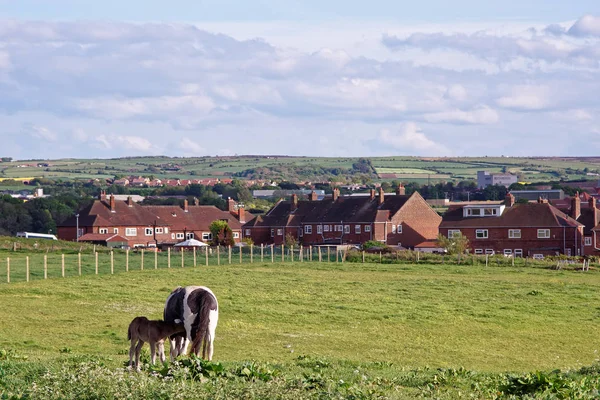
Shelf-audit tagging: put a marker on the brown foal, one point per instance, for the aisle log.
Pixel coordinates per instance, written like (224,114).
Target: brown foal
(141,330)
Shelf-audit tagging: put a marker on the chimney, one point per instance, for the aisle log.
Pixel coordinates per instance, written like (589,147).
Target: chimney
(294,202)
(196,201)
(336,194)
(185,205)
(313,196)
(575,206)
(381,195)
(112,203)
(592,203)
(102,195)
(372,194)
(400,191)
(509,200)
(242,215)
(230,205)
(129,201)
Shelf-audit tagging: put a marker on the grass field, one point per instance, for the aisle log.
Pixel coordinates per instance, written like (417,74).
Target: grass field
(385,319)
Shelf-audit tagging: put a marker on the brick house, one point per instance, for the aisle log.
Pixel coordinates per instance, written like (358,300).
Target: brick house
(391,219)
(528,229)
(584,209)
(108,220)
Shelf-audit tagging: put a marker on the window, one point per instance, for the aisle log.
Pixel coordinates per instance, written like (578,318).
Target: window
(208,235)
(543,233)
(189,235)
(587,241)
(393,228)
(279,232)
(166,230)
(346,228)
(148,231)
(489,211)
(357,229)
(116,230)
(308,229)
(507,252)
(172,236)
(326,228)
(179,235)
(518,252)
(367,228)
(236,235)
(489,251)
(514,233)
(473,211)
(481,233)
(159,230)
(272,232)
(248,233)
(452,233)
(319,229)
(103,230)
(130,231)
(478,251)
(339,228)
(399,229)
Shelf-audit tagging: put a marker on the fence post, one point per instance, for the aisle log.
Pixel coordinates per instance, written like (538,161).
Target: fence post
(45,266)
(168,257)
(241,252)
(363,256)
(142,261)
(182,260)
(206,254)
(320,255)
(292,252)
(251,253)
(112,263)
(310,249)
(229,249)
(300,255)
(79,263)
(328,253)
(418,255)
(96,262)
(282,253)
(261,252)
(380,260)
(513,261)
(194,251)
(156,259)
(62,265)
(27,269)
(272,253)
(127,260)
(7,269)
(218,255)
(486,259)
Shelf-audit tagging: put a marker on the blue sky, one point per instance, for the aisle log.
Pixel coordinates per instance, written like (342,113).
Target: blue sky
(324,78)
(307,10)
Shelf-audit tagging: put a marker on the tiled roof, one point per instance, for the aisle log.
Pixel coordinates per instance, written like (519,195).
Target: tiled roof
(99,214)
(102,237)
(519,215)
(346,209)
(198,218)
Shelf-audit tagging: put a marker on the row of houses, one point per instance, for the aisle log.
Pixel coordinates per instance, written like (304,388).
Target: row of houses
(141,181)
(532,229)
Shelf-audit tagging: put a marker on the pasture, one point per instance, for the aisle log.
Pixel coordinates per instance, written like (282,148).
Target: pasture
(384,320)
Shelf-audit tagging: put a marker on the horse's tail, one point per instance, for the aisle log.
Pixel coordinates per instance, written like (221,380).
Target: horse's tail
(129,332)
(204,332)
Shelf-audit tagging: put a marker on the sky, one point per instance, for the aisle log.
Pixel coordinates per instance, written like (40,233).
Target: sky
(89,79)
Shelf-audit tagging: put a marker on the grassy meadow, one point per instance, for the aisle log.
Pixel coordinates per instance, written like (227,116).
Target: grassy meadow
(384,330)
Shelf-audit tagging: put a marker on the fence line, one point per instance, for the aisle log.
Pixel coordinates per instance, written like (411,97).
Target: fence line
(35,266)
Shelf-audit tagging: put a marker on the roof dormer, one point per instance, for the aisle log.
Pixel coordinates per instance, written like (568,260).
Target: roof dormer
(483,210)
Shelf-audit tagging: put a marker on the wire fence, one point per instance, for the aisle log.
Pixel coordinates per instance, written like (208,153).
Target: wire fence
(22,265)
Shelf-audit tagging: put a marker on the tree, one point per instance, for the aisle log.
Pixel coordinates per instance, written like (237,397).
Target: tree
(458,244)
(290,241)
(221,233)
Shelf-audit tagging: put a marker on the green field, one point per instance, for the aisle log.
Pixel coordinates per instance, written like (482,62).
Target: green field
(321,319)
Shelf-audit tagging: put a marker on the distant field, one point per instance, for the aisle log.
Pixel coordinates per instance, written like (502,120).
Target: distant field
(408,168)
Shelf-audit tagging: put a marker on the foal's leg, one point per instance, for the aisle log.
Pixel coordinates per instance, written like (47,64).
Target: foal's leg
(153,351)
(161,350)
(138,348)
(131,351)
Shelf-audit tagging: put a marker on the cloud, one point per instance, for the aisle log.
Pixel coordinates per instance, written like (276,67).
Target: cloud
(587,25)
(39,132)
(526,98)
(409,139)
(479,115)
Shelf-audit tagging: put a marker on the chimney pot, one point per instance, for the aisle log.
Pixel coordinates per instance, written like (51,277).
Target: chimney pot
(400,190)
(129,201)
(336,194)
(575,206)
(241,215)
(381,195)
(185,205)
(313,196)
(112,203)
(372,194)
(294,201)
(509,200)
(230,205)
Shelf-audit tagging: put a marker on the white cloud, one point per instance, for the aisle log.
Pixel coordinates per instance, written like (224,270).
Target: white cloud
(587,25)
(409,139)
(526,97)
(39,132)
(479,115)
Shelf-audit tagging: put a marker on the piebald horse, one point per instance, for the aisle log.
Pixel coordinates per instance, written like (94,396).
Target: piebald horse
(197,307)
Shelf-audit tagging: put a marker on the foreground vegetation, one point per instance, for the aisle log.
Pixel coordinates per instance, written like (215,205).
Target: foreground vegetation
(309,330)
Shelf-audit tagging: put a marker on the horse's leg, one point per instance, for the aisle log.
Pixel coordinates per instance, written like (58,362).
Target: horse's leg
(138,348)
(153,351)
(161,350)
(131,352)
